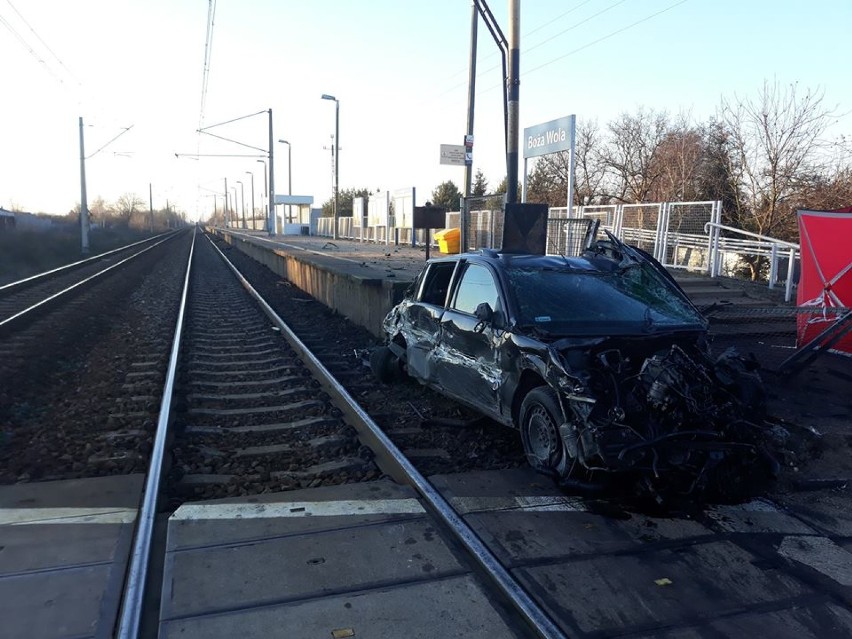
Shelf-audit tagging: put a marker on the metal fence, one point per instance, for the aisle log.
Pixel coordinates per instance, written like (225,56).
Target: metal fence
(684,236)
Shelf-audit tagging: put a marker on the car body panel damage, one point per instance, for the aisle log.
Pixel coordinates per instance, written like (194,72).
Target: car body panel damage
(601,362)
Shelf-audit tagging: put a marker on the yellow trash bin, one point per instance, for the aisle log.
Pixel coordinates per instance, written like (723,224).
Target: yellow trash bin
(448,240)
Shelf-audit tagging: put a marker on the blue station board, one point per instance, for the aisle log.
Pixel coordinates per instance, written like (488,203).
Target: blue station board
(550,137)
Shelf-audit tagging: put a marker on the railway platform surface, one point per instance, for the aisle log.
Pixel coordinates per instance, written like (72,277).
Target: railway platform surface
(364,280)
(64,548)
(357,560)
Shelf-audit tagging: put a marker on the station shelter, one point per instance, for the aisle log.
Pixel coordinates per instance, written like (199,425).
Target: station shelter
(299,216)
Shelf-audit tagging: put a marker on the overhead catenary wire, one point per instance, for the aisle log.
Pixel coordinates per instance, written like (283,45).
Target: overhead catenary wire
(574,26)
(208,53)
(32,51)
(611,34)
(607,36)
(526,72)
(43,43)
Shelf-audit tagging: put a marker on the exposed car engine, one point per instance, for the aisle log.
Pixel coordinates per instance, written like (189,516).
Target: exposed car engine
(676,417)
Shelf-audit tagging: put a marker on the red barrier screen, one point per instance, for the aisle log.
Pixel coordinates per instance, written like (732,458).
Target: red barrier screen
(825,285)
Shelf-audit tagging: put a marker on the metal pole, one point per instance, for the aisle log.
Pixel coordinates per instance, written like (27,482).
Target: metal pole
(471,90)
(336,164)
(572,125)
(151,205)
(243,200)
(791,264)
(513,85)
(252,200)
(272,221)
(471,98)
(289,209)
(335,152)
(226,214)
(84,206)
(265,184)
(289,181)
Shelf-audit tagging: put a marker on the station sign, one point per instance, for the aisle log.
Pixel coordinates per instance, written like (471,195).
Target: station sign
(549,137)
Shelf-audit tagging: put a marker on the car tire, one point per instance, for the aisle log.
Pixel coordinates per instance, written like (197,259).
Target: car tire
(539,426)
(385,365)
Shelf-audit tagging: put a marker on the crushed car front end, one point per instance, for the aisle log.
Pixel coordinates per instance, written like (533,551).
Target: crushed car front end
(664,411)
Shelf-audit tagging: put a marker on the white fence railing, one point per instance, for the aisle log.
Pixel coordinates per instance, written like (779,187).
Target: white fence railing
(681,235)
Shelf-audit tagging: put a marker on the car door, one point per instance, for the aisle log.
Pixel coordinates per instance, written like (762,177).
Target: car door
(422,318)
(466,357)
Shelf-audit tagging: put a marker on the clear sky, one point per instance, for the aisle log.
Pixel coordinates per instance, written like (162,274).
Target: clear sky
(398,67)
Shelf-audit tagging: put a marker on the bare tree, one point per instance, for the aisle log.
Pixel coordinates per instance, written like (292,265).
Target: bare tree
(677,161)
(126,206)
(630,154)
(99,211)
(589,165)
(775,149)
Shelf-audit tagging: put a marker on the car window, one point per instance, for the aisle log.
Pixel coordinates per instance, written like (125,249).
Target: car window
(476,286)
(589,301)
(436,283)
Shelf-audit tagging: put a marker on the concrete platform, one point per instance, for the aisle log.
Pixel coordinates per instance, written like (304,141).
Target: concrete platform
(364,280)
(359,560)
(63,554)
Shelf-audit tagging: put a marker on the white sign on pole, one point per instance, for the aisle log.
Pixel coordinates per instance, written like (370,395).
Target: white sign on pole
(452,154)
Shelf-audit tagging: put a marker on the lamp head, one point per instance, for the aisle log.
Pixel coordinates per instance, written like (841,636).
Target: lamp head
(325,96)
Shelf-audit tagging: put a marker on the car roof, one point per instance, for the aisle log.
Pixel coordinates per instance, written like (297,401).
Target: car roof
(533,262)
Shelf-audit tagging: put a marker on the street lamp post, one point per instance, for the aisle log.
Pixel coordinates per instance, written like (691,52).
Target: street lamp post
(243,200)
(226,214)
(265,185)
(234,209)
(336,158)
(289,178)
(252,199)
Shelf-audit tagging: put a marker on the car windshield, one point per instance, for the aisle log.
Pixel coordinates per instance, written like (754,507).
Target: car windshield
(568,301)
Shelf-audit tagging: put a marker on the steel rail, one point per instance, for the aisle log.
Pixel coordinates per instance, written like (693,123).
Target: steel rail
(134,591)
(532,614)
(9,321)
(34,279)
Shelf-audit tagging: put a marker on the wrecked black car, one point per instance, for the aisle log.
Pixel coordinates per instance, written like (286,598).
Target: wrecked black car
(600,361)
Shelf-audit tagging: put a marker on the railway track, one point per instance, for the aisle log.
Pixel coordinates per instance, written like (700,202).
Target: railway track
(24,299)
(251,417)
(255,413)
(79,367)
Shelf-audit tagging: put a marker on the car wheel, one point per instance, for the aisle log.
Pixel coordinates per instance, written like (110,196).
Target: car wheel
(385,365)
(540,430)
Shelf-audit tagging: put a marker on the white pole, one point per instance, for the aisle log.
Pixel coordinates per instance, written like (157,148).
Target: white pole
(572,133)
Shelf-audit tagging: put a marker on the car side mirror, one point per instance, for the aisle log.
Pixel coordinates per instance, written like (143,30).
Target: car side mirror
(485,314)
